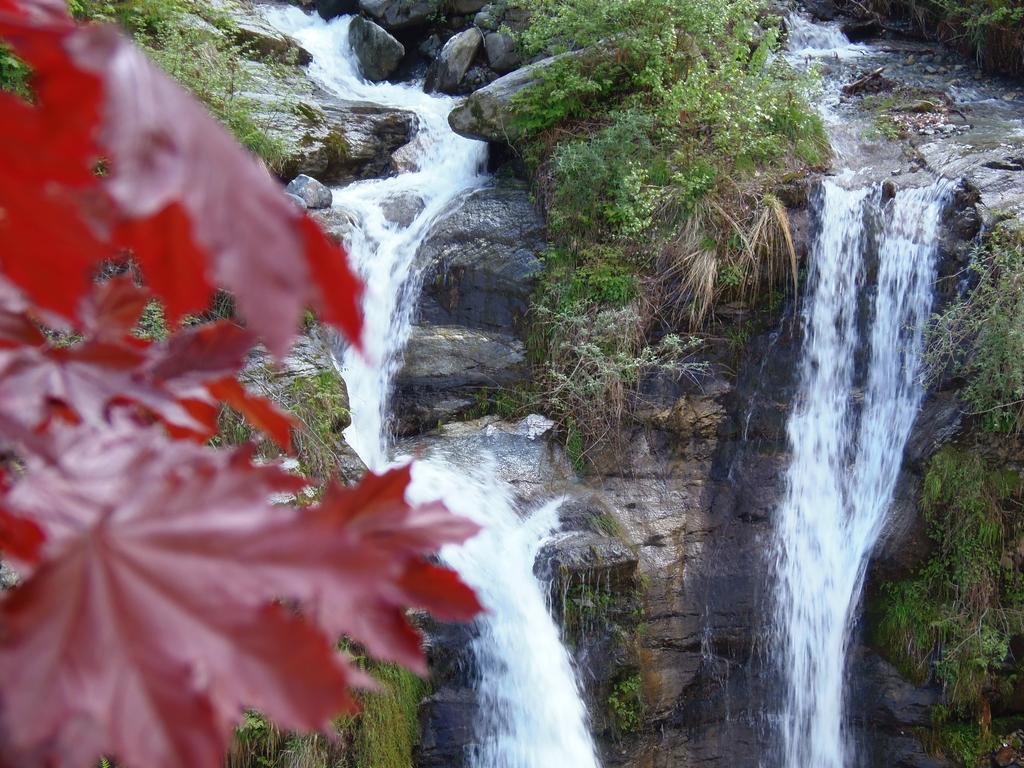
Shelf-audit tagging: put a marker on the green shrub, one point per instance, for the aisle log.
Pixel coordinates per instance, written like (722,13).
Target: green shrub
(140,17)
(981,337)
(14,73)
(594,361)
(655,141)
(602,184)
(320,403)
(214,70)
(626,705)
(955,617)
(205,62)
(381,735)
(388,725)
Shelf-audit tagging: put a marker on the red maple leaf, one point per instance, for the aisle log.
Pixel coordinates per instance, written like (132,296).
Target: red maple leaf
(155,615)
(180,382)
(195,209)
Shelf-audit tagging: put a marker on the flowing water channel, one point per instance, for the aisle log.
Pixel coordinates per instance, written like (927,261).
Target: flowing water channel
(868,298)
(531,712)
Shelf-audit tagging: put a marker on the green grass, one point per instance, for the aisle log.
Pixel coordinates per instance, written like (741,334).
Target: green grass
(963,742)
(980,337)
(320,403)
(207,63)
(382,734)
(387,729)
(953,620)
(14,74)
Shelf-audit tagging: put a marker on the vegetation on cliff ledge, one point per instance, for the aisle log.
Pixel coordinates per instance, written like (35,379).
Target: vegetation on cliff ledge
(980,337)
(954,620)
(657,149)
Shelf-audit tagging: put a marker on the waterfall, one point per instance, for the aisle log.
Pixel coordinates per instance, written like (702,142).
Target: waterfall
(532,714)
(383,251)
(858,396)
(847,442)
(809,39)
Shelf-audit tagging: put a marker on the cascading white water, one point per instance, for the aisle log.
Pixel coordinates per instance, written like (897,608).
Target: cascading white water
(809,39)
(532,715)
(850,426)
(847,448)
(383,251)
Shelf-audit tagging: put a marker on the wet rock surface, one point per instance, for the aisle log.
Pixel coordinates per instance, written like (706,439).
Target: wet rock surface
(446,367)
(481,260)
(328,138)
(379,54)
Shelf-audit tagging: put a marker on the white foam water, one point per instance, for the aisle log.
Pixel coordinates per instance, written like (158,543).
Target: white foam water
(532,714)
(383,251)
(804,38)
(847,449)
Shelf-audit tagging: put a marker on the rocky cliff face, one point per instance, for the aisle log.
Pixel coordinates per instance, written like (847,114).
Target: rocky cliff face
(664,573)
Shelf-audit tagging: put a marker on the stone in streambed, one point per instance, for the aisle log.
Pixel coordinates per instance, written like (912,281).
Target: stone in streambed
(402,208)
(378,53)
(502,54)
(310,191)
(402,14)
(452,63)
(329,9)
(407,157)
(336,222)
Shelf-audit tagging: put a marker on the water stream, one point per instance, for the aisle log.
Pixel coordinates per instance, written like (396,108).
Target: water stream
(868,297)
(532,715)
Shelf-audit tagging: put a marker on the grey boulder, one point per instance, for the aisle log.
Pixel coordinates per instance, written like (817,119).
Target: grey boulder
(261,41)
(338,223)
(331,139)
(379,54)
(454,60)
(466,6)
(310,191)
(502,54)
(402,14)
(328,9)
(488,114)
(480,262)
(402,208)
